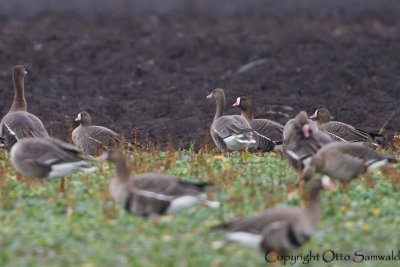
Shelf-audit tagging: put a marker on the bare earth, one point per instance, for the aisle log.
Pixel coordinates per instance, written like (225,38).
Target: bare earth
(147,74)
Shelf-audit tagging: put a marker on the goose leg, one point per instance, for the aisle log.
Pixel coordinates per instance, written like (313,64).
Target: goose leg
(154,220)
(62,186)
(301,186)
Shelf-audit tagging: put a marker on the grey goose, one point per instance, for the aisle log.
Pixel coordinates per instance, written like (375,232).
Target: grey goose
(93,139)
(267,133)
(302,139)
(277,229)
(340,131)
(344,161)
(18,123)
(230,133)
(46,158)
(150,194)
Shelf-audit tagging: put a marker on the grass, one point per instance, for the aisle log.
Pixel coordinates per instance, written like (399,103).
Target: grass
(40,226)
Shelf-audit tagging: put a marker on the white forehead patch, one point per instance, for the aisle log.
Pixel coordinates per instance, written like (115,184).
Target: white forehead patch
(238,101)
(316,113)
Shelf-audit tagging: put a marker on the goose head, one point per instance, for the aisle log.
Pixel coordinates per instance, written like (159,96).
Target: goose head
(19,71)
(243,103)
(302,123)
(321,115)
(84,118)
(216,94)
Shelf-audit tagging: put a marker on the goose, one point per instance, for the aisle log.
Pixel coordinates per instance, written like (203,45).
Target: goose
(150,194)
(340,131)
(268,134)
(18,123)
(93,139)
(302,140)
(230,133)
(46,158)
(278,230)
(344,161)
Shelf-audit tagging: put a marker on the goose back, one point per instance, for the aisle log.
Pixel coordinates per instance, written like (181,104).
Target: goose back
(93,139)
(268,134)
(339,131)
(344,161)
(298,147)
(152,193)
(20,124)
(278,229)
(226,127)
(45,158)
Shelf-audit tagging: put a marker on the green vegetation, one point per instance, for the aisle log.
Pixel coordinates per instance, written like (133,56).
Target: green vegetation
(42,226)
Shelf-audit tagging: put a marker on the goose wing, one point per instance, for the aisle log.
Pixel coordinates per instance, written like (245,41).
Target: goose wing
(340,131)
(226,126)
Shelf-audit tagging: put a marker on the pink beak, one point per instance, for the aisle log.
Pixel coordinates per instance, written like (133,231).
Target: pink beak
(237,103)
(78,118)
(102,157)
(313,117)
(209,96)
(306,131)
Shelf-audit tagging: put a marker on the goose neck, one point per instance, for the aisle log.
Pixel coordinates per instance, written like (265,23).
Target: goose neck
(19,103)
(219,112)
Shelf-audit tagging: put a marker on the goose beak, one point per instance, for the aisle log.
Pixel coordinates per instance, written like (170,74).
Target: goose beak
(78,118)
(306,131)
(314,116)
(209,96)
(327,184)
(237,103)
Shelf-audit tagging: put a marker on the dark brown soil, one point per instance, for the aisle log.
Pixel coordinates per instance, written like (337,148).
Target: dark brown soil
(148,75)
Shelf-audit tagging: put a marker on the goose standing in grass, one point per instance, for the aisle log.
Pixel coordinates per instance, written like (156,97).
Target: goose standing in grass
(278,230)
(268,134)
(150,194)
(344,161)
(18,123)
(46,158)
(93,139)
(302,139)
(230,133)
(340,131)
